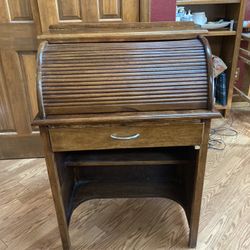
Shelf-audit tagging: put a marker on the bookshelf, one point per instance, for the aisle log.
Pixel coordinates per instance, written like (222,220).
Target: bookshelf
(224,43)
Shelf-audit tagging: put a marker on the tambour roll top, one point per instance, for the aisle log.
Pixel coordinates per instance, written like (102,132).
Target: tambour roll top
(128,75)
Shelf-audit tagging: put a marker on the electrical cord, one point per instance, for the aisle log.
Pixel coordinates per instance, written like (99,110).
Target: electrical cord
(216,140)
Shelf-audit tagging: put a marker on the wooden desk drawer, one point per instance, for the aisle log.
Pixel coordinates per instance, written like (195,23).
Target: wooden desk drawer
(87,138)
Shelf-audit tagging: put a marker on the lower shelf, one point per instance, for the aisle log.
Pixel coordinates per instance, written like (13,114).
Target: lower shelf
(127,173)
(169,181)
(130,157)
(92,190)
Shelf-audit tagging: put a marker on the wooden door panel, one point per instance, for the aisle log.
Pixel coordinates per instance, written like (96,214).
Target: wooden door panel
(87,11)
(18,47)
(28,64)
(6,120)
(69,10)
(110,9)
(4,16)
(113,11)
(18,102)
(48,13)
(18,95)
(19,10)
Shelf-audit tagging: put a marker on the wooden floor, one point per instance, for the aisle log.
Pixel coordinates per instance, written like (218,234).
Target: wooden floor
(28,221)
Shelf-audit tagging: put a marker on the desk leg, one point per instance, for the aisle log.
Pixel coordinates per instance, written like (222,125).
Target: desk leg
(56,189)
(198,186)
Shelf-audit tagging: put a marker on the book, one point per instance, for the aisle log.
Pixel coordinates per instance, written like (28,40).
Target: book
(221,89)
(163,10)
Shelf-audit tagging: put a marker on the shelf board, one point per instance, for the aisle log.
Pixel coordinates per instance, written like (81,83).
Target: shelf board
(198,2)
(246,36)
(221,33)
(93,190)
(220,107)
(128,157)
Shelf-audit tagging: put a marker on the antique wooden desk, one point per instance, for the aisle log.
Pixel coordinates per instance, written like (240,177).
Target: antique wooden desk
(125,113)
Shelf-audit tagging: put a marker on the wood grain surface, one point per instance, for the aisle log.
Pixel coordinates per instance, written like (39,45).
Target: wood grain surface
(148,31)
(131,76)
(28,219)
(183,134)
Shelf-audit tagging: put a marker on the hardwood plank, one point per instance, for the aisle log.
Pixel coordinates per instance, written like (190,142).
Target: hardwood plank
(3,246)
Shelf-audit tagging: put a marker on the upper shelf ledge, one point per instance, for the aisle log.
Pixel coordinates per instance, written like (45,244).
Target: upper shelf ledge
(122,32)
(196,2)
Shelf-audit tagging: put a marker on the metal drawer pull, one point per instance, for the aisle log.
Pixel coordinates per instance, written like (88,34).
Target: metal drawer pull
(129,137)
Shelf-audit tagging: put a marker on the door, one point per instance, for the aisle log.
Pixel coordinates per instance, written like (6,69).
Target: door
(20,21)
(87,11)
(18,105)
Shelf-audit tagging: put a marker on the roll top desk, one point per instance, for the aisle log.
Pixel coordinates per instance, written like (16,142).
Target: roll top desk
(124,111)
